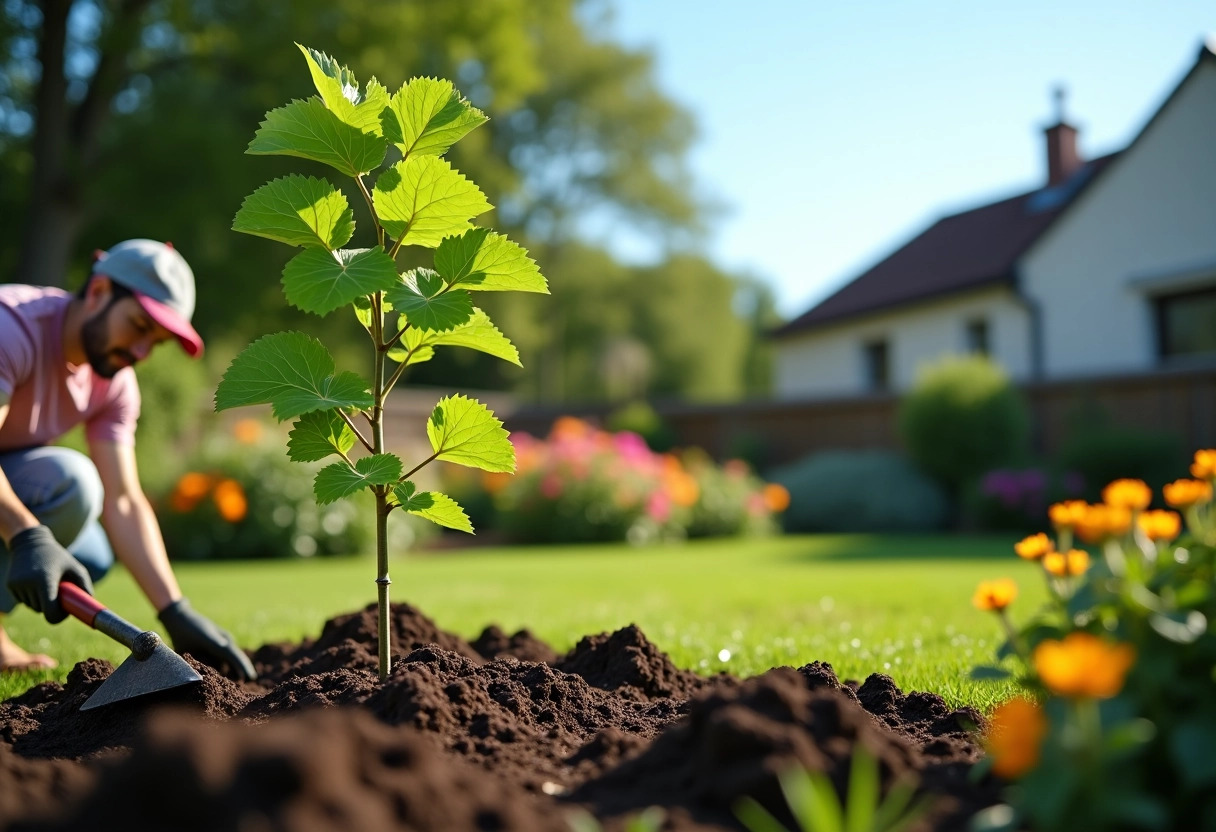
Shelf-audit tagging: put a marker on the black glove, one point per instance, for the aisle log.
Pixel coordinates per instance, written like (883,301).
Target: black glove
(196,634)
(37,563)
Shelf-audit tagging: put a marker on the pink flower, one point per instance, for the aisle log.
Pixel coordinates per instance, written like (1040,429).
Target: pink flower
(631,447)
(658,506)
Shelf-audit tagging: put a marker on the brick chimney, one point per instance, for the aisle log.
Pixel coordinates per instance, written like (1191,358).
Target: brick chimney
(1063,159)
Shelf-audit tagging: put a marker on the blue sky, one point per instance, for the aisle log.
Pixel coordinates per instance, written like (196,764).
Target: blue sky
(833,132)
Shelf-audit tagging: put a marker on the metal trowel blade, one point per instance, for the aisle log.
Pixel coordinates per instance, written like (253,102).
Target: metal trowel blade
(162,670)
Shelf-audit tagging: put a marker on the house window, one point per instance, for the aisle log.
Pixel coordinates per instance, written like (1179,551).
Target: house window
(1186,324)
(977,337)
(877,364)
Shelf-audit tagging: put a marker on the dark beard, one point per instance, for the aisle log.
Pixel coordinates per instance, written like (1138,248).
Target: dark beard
(94,336)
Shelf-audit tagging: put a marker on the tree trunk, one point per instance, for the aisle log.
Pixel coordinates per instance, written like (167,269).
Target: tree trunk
(66,139)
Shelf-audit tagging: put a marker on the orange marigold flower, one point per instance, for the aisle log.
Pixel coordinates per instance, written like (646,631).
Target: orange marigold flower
(247,431)
(494,481)
(1204,466)
(230,499)
(682,489)
(1102,521)
(1068,514)
(191,488)
(1186,493)
(1066,564)
(1083,665)
(1133,495)
(1015,736)
(1034,547)
(993,596)
(570,427)
(1160,525)
(776,497)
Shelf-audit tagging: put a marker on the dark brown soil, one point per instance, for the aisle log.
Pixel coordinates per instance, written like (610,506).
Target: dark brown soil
(498,734)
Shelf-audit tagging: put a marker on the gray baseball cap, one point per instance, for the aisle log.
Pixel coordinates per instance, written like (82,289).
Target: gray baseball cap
(162,282)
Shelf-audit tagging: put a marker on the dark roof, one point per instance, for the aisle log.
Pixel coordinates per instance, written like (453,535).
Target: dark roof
(976,248)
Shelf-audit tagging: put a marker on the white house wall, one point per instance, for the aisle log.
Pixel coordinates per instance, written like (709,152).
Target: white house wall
(830,362)
(1152,214)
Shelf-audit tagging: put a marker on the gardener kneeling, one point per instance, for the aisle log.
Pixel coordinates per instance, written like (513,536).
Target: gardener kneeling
(66,360)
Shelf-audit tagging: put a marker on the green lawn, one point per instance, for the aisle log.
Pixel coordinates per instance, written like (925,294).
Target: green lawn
(896,605)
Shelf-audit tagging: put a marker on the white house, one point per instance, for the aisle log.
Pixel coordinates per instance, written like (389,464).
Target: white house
(1108,269)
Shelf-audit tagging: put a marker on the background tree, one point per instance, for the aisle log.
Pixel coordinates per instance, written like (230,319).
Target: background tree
(143,133)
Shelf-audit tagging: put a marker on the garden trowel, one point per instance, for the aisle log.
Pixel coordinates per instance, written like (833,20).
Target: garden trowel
(150,668)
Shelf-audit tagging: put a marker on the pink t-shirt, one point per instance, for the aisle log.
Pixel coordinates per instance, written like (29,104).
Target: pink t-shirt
(47,395)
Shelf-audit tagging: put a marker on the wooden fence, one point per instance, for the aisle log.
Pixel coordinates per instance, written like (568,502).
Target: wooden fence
(773,432)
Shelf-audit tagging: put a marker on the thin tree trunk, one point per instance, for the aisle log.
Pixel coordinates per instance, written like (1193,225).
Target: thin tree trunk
(52,218)
(67,139)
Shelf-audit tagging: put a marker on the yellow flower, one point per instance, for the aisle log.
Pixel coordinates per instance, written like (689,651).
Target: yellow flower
(230,500)
(1160,525)
(1083,665)
(1066,564)
(1102,521)
(993,596)
(1015,736)
(1186,493)
(1132,495)
(1204,466)
(776,497)
(1068,514)
(1034,547)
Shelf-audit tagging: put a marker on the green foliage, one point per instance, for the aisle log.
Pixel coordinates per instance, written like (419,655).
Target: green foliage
(812,801)
(639,417)
(1123,659)
(420,200)
(648,820)
(246,500)
(963,417)
(1103,453)
(860,491)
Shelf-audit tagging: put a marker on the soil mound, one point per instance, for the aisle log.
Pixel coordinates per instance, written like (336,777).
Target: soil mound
(497,734)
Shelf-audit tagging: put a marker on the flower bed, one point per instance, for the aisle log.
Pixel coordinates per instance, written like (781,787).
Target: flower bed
(583,484)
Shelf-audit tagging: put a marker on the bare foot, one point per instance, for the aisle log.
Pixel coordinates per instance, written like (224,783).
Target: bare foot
(14,658)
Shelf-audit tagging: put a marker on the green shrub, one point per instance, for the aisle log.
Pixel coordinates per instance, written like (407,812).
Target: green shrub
(963,417)
(241,497)
(1105,453)
(640,418)
(860,491)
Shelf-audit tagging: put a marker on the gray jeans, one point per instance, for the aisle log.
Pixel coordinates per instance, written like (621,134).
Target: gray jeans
(62,489)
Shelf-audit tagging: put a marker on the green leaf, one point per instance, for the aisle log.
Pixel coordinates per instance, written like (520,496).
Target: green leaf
(339,480)
(299,211)
(422,200)
(435,506)
(481,259)
(464,431)
(340,91)
(318,281)
(425,303)
(308,130)
(755,817)
(318,434)
(862,798)
(479,333)
(291,372)
(427,116)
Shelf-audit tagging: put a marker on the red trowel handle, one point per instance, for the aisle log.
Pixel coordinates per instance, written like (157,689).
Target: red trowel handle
(79,603)
(88,609)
